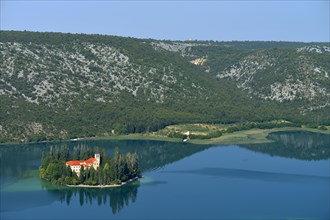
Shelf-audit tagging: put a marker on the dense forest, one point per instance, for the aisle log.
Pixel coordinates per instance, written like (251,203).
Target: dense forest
(60,86)
(112,170)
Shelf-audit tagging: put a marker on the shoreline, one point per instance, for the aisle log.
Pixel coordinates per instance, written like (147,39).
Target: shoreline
(251,136)
(105,186)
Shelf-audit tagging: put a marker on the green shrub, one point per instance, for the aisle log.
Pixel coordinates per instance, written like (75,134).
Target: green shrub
(116,182)
(323,128)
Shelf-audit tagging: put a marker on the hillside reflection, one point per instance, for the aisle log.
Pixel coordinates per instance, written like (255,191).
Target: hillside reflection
(19,168)
(299,145)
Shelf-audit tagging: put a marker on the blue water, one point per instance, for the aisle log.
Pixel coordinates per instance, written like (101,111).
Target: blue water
(181,181)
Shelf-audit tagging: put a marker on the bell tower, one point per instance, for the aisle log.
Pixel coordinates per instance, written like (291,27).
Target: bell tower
(97,161)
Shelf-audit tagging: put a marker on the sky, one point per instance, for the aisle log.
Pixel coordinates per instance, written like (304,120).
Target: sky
(220,20)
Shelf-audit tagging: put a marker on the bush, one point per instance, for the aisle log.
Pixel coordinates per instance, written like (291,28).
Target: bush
(323,128)
(174,135)
(116,182)
(312,125)
(68,180)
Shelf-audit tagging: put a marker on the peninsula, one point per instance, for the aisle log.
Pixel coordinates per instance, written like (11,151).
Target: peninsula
(88,168)
(199,133)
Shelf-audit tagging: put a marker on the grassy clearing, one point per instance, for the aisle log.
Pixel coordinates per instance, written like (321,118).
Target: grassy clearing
(146,136)
(193,129)
(251,136)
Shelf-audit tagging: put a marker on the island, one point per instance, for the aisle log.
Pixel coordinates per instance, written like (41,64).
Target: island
(88,168)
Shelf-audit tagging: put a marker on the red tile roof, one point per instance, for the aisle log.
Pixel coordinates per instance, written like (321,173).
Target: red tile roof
(75,162)
(85,163)
(90,160)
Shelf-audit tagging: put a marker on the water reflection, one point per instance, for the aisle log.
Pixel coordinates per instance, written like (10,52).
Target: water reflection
(18,160)
(254,175)
(19,165)
(20,181)
(116,198)
(299,145)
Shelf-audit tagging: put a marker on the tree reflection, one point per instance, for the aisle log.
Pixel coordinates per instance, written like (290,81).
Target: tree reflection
(16,160)
(299,145)
(117,198)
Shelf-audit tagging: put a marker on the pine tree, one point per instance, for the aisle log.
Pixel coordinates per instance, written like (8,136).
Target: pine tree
(105,174)
(116,164)
(64,153)
(82,176)
(76,153)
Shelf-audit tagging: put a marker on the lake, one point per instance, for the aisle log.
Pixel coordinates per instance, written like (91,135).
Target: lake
(286,179)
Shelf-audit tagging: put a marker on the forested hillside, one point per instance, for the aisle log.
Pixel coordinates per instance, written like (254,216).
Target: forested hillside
(59,86)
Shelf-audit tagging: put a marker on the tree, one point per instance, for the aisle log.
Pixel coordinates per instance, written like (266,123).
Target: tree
(116,167)
(82,175)
(76,153)
(132,164)
(106,174)
(120,167)
(68,172)
(54,171)
(64,153)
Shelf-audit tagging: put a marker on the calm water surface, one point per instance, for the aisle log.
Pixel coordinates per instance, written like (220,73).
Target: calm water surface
(287,179)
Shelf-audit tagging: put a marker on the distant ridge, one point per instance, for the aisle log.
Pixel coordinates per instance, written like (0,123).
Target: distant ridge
(60,86)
